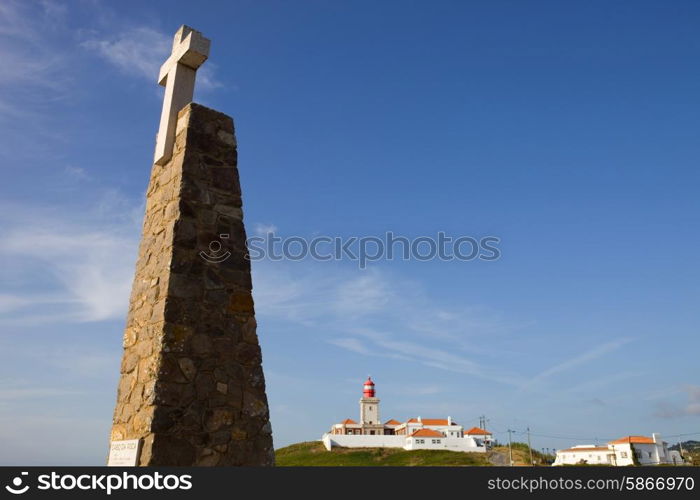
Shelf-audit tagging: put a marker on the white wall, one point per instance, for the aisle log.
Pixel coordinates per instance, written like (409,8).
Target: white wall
(658,451)
(674,457)
(446,443)
(463,444)
(424,443)
(363,441)
(648,454)
(591,457)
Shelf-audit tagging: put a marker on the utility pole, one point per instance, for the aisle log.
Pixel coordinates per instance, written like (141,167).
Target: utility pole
(482,422)
(510,448)
(529,446)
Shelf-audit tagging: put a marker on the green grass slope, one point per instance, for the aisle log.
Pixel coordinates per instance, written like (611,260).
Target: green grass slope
(314,454)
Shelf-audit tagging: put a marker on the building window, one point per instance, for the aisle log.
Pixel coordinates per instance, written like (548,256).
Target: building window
(623,454)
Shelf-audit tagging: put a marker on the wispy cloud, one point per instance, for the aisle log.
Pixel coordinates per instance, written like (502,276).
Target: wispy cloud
(351,344)
(25,21)
(261,229)
(85,257)
(35,72)
(579,359)
(597,383)
(690,408)
(136,52)
(379,314)
(11,392)
(140,51)
(431,352)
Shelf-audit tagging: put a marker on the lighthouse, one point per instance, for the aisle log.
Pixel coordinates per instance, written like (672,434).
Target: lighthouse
(368,388)
(369,409)
(413,434)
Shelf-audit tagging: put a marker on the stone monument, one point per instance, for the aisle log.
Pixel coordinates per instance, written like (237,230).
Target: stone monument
(192,389)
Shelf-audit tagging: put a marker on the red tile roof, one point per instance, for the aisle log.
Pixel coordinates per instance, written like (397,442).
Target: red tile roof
(348,421)
(426,433)
(633,439)
(477,431)
(392,422)
(437,421)
(431,421)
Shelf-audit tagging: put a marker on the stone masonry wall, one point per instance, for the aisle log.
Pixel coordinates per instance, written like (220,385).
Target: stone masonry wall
(192,384)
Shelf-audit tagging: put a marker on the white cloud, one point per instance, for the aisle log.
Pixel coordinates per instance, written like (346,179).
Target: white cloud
(690,408)
(140,52)
(264,229)
(351,344)
(85,257)
(596,383)
(580,359)
(34,73)
(76,173)
(362,295)
(372,312)
(34,393)
(137,52)
(376,313)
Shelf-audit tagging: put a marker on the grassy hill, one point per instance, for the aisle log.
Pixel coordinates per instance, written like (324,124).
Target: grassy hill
(499,455)
(314,454)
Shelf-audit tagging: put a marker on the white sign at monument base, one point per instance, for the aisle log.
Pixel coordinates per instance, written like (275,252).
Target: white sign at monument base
(124,453)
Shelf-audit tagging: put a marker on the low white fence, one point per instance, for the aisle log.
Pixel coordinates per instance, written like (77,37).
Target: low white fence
(363,441)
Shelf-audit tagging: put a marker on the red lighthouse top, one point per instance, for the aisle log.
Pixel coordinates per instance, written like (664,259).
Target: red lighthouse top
(368,389)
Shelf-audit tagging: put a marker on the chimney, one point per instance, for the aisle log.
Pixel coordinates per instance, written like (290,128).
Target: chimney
(449,420)
(420,419)
(656,437)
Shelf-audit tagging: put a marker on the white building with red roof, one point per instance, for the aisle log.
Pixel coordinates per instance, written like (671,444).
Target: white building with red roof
(482,436)
(413,434)
(624,451)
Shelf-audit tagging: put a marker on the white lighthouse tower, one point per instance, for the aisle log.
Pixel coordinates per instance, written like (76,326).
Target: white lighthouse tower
(369,410)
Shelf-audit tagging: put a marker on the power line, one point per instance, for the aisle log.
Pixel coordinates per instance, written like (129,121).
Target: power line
(568,438)
(580,438)
(680,435)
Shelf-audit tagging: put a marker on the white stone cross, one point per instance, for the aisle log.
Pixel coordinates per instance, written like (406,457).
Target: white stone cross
(190,50)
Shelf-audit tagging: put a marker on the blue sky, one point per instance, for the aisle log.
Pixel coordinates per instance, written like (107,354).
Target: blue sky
(567,129)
